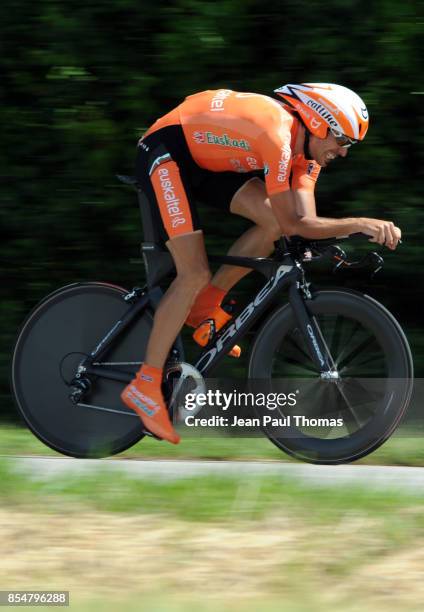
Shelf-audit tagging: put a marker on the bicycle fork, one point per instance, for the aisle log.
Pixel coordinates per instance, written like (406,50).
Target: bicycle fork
(317,347)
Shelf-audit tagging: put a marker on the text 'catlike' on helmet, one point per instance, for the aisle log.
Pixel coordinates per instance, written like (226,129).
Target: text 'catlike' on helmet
(325,105)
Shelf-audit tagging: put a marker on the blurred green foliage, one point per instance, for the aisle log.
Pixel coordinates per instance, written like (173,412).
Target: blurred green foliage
(82,81)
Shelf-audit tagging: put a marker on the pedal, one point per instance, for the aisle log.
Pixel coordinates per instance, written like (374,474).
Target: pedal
(205,332)
(209,328)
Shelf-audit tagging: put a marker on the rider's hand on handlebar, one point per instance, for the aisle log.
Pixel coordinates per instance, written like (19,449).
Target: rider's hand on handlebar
(382,232)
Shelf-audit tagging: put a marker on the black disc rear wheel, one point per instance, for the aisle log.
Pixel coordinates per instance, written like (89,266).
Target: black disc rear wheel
(57,335)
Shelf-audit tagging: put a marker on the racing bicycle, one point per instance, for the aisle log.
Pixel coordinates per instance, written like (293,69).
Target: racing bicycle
(82,343)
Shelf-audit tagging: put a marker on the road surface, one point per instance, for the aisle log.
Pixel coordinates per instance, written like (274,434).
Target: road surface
(393,477)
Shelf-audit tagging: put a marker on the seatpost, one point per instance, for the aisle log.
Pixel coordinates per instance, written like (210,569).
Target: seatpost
(281,247)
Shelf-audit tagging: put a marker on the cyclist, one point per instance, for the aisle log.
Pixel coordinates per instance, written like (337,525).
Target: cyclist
(259,157)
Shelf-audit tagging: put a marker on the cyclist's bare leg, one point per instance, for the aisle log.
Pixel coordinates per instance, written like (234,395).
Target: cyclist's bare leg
(251,201)
(189,254)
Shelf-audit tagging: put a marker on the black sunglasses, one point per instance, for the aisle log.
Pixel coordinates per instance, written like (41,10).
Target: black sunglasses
(342,140)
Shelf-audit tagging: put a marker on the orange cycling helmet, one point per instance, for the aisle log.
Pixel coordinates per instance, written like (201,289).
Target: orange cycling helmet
(325,105)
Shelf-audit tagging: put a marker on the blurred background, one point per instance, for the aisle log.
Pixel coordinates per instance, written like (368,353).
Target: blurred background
(82,81)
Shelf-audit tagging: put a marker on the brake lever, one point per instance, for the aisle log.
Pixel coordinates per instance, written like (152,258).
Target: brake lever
(376,261)
(373,260)
(339,255)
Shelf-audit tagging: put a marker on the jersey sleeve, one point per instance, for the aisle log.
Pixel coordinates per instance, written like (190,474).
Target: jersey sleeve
(304,173)
(275,144)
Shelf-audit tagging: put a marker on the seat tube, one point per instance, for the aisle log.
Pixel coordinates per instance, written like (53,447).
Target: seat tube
(315,343)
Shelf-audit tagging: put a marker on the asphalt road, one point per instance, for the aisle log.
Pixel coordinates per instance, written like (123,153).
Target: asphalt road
(383,477)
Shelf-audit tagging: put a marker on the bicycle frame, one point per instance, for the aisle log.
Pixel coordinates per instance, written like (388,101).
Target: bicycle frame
(54,343)
(282,271)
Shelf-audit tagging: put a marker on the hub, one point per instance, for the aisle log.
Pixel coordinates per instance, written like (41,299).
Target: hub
(331,376)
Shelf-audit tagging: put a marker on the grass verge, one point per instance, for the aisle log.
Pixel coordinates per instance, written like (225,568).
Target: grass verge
(211,543)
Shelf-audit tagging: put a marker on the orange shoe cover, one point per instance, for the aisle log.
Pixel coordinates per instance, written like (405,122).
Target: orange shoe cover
(144,396)
(208,299)
(204,332)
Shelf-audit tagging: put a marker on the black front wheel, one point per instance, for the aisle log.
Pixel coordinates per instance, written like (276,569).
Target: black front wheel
(57,335)
(351,411)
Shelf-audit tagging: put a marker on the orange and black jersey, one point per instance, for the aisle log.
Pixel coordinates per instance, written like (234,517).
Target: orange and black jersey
(234,131)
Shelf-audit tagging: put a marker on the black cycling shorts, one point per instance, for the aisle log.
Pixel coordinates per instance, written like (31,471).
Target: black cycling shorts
(174,184)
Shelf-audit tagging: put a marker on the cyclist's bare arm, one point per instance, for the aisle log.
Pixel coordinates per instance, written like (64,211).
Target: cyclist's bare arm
(305,202)
(292,223)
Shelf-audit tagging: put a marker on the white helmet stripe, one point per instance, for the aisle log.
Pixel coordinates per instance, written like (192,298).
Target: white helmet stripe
(321,109)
